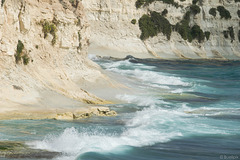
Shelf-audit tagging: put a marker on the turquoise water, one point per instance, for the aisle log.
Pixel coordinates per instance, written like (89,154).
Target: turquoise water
(177,110)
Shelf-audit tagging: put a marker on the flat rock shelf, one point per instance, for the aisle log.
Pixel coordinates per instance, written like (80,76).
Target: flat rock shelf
(11,149)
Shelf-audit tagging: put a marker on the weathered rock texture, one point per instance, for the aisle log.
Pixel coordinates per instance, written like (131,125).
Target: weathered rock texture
(19,150)
(111,29)
(59,68)
(86,113)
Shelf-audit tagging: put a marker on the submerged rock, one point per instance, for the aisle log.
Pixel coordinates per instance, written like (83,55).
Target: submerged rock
(9,149)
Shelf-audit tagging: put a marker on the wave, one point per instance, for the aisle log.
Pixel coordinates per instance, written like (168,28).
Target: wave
(157,78)
(147,127)
(141,100)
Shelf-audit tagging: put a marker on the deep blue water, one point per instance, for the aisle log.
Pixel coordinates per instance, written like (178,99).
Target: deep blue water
(187,110)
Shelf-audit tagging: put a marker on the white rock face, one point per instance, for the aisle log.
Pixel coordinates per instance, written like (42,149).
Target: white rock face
(111,29)
(56,68)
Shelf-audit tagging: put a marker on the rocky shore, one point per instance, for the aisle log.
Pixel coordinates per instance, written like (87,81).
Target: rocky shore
(18,150)
(64,114)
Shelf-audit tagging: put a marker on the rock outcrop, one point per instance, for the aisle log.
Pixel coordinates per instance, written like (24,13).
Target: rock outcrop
(111,29)
(19,150)
(43,47)
(86,113)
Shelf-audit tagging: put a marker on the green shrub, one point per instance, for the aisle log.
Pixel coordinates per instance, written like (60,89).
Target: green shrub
(133,21)
(2,2)
(20,47)
(194,1)
(151,25)
(238,13)
(25,59)
(213,12)
(225,33)
(187,16)
(237,1)
(239,35)
(19,54)
(162,24)
(49,27)
(139,3)
(147,27)
(197,33)
(224,13)
(231,33)
(195,9)
(164,12)
(207,35)
(184,30)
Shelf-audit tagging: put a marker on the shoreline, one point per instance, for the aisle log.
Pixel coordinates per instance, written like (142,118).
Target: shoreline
(58,114)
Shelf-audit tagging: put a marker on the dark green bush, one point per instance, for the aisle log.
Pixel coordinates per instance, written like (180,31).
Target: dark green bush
(195,9)
(133,21)
(20,47)
(231,33)
(225,33)
(194,1)
(238,13)
(224,13)
(19,54)
(207,35)
(213,12)
(147,27)
(237,1)
(154,24)
(139,3)
(187,16)
(184,30)
(164,12)
(197,33)
(239,35)
(2,2)
(162,24)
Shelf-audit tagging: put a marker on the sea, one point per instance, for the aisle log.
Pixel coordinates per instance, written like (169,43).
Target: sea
(176,110)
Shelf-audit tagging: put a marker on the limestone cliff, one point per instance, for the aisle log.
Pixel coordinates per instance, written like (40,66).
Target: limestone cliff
(43,48)
(111,29)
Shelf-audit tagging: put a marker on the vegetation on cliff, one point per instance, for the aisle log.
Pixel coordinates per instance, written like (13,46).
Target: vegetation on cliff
(2,2)
(224,13)
(49,27)
(213,12)
(239,35)
(147,27)
(195,9)
(133,21)
(154,24)
(140,3)
(19,55)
